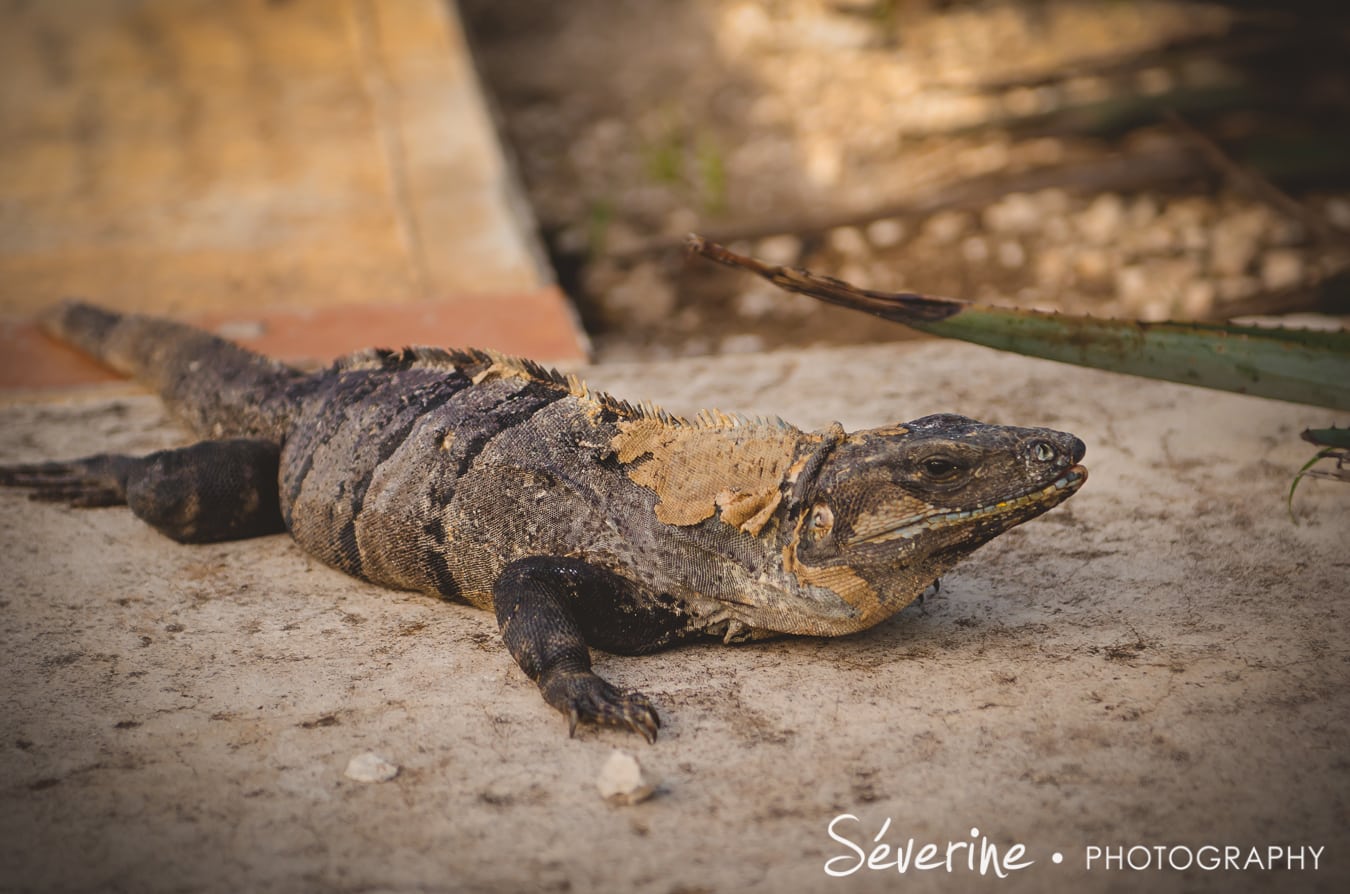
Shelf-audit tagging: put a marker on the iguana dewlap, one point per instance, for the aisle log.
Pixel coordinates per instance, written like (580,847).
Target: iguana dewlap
(581,520)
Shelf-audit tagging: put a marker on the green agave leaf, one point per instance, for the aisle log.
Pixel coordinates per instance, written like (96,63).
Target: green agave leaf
(1327,437)
(1304,366)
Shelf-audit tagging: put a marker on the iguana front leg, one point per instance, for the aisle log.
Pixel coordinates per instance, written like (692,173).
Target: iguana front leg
(549,608)
(204,493)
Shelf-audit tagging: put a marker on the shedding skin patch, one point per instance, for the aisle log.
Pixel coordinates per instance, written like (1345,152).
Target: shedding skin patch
(845,583)
(842,581)
(748,511)
(697,470)
(896,430)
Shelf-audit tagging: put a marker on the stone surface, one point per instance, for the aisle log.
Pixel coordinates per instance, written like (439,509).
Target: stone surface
(1163,659)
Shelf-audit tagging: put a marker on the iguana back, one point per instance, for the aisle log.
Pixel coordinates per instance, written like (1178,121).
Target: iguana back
(579,519)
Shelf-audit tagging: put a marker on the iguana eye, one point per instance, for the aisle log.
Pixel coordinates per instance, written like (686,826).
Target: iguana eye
(822,519)
(1043,451)
(940,467)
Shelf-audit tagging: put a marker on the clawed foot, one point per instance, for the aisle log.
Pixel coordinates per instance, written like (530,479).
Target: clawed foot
(582,696)
(81,483)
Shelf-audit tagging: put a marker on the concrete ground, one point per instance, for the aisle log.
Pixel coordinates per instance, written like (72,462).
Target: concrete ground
(1161,661)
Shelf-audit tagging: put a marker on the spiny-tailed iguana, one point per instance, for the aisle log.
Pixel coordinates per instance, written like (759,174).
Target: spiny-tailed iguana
(580,519)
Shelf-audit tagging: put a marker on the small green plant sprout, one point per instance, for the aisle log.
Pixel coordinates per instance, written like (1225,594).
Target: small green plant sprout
(1335,444)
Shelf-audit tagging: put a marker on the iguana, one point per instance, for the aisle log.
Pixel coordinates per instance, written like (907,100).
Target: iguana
(581,520)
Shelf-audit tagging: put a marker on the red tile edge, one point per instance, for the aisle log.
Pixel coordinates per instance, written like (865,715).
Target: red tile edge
(30,360)
(539,325)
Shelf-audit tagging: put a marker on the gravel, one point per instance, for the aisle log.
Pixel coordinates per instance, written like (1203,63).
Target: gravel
(763,119)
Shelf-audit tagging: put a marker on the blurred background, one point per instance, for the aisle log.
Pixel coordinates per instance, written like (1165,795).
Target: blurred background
(491,171)
(1154,159)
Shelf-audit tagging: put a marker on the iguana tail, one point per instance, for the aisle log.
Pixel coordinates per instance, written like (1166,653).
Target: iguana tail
(217,388)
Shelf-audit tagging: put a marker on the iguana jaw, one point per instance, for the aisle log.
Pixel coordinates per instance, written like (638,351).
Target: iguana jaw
(1038,501)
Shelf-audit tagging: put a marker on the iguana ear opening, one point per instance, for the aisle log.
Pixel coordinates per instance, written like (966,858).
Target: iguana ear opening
(821,520)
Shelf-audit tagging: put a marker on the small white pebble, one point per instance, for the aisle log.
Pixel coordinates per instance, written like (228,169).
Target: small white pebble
(1015,213)
(945,227)
(783,249)
(757,302)
(1100,223)
(1281,269)
(1052,266)
(1095,264)
(1011,254)
(370,767)
(886,232)
(975,249)
(621,781)
(1197,298)
(1133,288)
(848,241)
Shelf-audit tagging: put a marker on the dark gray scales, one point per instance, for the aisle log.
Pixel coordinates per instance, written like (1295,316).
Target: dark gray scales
(579,519)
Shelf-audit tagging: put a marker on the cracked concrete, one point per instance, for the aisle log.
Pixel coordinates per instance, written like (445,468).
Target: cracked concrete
(1162,660)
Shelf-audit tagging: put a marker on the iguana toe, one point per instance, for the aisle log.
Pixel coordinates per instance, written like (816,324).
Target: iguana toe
(586,697)
(81,483)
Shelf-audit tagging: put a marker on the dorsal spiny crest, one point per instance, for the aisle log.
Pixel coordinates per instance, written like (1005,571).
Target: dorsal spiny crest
(480,365)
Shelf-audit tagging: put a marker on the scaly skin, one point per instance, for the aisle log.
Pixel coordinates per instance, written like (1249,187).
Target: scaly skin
(580,520)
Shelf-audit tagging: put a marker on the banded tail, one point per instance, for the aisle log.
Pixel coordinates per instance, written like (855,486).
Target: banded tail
(216,388)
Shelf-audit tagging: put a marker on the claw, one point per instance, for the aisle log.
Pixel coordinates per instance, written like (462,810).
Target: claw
(636,713)
(586,697)
(647,725)
(641,717)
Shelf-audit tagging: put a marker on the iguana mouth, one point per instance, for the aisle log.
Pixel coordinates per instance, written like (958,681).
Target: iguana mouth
(1044,497)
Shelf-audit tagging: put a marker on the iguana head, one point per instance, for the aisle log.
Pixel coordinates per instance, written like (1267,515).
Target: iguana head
(888,510)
